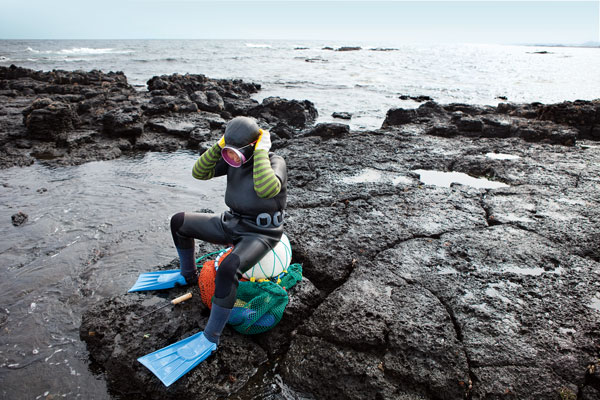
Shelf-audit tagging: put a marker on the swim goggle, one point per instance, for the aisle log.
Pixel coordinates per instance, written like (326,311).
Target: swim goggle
(238,152)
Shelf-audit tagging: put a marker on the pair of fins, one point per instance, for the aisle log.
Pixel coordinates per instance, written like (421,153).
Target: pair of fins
(172,362)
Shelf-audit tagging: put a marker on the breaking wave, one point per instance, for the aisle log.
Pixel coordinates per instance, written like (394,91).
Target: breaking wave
(80,51)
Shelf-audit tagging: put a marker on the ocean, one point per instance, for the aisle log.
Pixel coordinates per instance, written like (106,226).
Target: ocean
(365,82)
(93,228)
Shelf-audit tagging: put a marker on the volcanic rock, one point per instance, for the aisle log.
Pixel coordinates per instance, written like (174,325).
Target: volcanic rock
(293,112)
(19,218)
(342,115)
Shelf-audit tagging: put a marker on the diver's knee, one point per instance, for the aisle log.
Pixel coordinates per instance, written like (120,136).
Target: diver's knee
(177,222)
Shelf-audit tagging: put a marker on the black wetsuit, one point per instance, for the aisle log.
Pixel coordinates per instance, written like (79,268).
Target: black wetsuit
(251,239)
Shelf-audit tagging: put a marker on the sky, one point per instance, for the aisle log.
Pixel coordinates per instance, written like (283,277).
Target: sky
(506,22)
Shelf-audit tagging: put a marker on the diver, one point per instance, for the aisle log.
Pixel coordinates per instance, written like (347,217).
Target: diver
(256,196)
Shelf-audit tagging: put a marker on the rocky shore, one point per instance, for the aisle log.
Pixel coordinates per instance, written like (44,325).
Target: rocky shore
(410,291)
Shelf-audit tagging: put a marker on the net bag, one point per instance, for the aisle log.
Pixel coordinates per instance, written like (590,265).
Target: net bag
(260,303)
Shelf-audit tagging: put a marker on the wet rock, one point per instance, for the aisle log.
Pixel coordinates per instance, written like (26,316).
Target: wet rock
(349,48)
(172,126)
(469,124)
(342,115)
(399,116)
(283,131)
(169,104)
(388,331)
(116,336)
(154,141)
(476,121)
(418,99)
(46,118)
(19,218)
(425,292)
(236,107)
(208,101)
(123,122)
(329,130)
(293,112)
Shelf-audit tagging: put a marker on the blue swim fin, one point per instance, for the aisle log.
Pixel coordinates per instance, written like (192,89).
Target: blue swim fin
(174,361)
(158,280)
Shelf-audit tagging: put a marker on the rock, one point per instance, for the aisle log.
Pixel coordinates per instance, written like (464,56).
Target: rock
(581,115)
(342,115)
(116,336)
(19,218)
(169,104)
(123,122)
(293,112)
(105,326)
(349,48)
(402,332)
(469,124)
(208,101)
(399,116)
(418,99)
(236,107)
(418,291)
(329,130)
(45,119)
(283,131)
(171,126)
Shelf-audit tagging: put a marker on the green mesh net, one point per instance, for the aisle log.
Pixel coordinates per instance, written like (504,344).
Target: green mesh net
(260,304)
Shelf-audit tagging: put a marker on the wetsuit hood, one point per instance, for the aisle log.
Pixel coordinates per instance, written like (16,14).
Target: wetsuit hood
(241,131)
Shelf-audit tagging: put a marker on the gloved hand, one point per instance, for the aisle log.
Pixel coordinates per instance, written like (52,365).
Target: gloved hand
(221,142)
(264,141)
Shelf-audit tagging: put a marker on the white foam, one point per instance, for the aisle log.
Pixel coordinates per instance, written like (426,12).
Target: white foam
(259,45)
(502,156)
(80,51)
(445,179)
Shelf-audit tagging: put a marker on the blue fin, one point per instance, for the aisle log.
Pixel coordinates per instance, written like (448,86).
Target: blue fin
(174,361)
(158,280)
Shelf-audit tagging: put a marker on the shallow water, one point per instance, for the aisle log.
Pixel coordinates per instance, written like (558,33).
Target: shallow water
(91,230)
(445,179)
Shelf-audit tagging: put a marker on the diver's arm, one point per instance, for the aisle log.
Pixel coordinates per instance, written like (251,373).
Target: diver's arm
(204,168)
(266,183)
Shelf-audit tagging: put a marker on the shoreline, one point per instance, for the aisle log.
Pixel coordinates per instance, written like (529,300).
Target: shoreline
(70,117)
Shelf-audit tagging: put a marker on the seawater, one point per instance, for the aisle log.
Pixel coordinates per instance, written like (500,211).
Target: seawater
(365,83)
(92,229)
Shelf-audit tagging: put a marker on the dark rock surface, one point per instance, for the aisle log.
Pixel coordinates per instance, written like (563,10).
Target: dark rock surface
(411,291)
(74,117)
(19,218)
(427,292)
(342,115)
(562,123)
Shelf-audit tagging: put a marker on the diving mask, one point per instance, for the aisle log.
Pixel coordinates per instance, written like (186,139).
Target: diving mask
(235,156)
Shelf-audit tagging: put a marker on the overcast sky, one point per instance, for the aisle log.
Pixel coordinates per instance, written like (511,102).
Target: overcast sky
(509,22)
